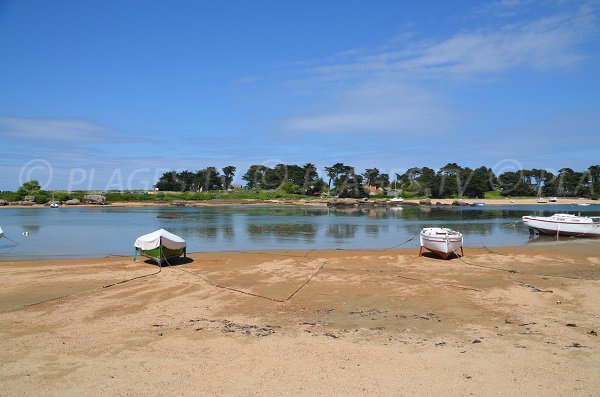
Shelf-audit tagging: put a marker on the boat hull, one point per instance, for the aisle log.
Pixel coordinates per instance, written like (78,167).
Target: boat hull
(554,227)
(161,254)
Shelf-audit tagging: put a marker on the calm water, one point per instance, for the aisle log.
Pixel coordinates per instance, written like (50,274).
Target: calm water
(93,232)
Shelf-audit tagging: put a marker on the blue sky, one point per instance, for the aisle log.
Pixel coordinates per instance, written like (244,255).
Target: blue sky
(110,94)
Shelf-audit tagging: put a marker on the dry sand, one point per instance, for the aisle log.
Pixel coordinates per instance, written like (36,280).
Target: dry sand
(368,323)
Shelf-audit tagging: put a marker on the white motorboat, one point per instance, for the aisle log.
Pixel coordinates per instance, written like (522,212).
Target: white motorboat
(441,241)
(564,225)
(1,233)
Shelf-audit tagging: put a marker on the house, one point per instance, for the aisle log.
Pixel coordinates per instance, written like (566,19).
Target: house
(373,190)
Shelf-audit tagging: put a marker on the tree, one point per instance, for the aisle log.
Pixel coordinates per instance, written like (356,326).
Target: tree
(428,183)
(569,182)
(334,171)
(29,188)
(188,181)
(208,179)
(169,182)
(451,180)
(594,172)
(255,176)
(312,183)
(478,183)
(228,174)
(515,183)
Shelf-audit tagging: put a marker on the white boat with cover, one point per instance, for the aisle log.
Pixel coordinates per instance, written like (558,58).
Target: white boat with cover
(1,233)
(160,246)
(441,241)
(564,225)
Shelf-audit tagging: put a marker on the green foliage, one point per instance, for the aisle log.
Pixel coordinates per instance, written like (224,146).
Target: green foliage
(29,188)
(10,196)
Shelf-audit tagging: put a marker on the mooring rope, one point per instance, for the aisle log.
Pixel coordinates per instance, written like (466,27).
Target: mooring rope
(93,289)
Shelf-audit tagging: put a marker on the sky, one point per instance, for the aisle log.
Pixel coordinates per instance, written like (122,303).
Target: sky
(110,94)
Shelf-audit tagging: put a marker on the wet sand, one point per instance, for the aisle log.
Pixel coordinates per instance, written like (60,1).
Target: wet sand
(501,321)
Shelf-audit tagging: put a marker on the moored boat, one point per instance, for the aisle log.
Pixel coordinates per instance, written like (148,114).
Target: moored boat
(441,241)
(564,225)
(160,246)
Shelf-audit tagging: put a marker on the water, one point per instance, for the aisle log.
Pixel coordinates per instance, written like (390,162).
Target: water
(102,231)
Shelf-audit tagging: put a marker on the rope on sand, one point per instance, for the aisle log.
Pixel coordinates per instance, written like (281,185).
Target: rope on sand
(313,275)
(93,289)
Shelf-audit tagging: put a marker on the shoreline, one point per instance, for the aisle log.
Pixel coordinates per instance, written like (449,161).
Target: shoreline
(305,202)
(582,245)
(517,319)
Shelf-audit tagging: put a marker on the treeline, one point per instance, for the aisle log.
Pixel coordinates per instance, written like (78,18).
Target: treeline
(343,180)
(199,181)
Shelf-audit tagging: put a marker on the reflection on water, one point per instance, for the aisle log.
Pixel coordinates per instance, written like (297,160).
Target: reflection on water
(90,232)
(341,232)
(282,231)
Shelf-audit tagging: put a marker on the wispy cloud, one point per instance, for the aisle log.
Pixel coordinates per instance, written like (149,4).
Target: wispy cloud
(400,89)
(51,129)
(549,42)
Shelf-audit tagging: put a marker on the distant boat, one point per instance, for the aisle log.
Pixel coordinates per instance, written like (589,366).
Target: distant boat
(53,204)
(1,233)
(564,225)
(584,204)
(542,200)
(397,200)
(160,246)
(441,241)
(553,199)
(478,204)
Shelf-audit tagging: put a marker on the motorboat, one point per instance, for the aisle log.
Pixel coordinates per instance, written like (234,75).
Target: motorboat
(441,241)
(160,246)
(564,225)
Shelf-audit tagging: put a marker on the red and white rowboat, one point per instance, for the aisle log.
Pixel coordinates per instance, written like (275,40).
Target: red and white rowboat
(441,241)
(564,225)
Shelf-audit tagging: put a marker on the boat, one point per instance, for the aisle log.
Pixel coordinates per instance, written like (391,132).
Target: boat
(584,204)
(397,200)
(553,199)
(478,204)
(441,241)
(564,225)
(53,204)
(1,233)
(542,200)
(160,246)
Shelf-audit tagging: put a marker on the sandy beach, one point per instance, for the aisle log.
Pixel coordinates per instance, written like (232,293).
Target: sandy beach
(303,202)
(502,321)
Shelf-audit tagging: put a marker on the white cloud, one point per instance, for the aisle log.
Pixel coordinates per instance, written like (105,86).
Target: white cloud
(382,105)
(399,90)
(50,129)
